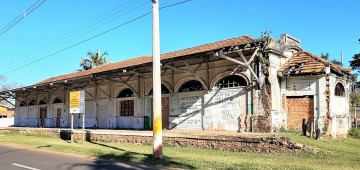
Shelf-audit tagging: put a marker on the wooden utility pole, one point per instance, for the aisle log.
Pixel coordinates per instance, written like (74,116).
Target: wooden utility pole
(157,116)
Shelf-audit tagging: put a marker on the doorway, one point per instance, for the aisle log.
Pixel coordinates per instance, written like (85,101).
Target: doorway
(164,112)
(58,117)
(42,116)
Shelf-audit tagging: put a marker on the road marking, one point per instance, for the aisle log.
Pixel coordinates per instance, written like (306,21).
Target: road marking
(23,166)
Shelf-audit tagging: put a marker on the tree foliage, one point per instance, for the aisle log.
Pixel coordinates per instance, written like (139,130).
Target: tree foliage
(93,60)
(5,86)
(355,99)
(337,62)
(325,56)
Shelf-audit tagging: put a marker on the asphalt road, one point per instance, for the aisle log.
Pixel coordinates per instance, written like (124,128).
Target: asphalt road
(18,158)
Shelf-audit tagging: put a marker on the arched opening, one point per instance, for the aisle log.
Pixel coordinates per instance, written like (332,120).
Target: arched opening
(32,102)
(22,103)
(164,90)
(126,106)
(42,102)
(192,85)
(339,90)
(126,93)
(231,81)
(57,100)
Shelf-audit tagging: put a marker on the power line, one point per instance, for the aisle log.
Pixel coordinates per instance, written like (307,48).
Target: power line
(22,16)
(6,64)
(95,36)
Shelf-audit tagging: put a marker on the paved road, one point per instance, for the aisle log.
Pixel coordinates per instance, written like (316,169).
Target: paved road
(17,158)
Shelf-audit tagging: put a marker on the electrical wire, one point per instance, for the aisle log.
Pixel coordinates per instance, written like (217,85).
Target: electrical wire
(95,36)
(21,17)
(6,64)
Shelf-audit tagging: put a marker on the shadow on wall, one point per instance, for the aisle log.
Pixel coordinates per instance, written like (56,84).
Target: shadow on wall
(210,103)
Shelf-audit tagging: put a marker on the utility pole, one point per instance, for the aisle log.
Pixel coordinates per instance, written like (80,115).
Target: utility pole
(157,116)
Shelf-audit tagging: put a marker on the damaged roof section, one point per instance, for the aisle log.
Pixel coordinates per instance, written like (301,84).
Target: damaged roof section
(306,63)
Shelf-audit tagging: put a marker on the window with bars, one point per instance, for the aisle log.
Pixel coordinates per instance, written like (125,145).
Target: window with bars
(339,90)
(231,81)
(22,103)
(192,85)
(32,102)
(57,100)
(127,108)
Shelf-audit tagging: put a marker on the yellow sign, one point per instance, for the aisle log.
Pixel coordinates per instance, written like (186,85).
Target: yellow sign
(74,99)
(77,102)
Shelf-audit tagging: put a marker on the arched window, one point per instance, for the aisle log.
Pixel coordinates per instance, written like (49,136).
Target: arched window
(32,102)
(192,85)
(231,81)
(42,101)
(339,90)
(164,90)
(22,103)
(57,100)
(126,106)
(126,93)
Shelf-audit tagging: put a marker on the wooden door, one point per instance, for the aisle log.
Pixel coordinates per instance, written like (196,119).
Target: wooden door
(300,108)
(42,116)
(164,111)
(58,117)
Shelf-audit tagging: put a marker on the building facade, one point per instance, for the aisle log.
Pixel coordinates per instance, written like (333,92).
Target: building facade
(239,84)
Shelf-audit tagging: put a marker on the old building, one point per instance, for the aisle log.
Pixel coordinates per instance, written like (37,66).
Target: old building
(238,84)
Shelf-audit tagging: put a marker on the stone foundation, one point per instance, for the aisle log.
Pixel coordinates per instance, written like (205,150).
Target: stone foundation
(221,142)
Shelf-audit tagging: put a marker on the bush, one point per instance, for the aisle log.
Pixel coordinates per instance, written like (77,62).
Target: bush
(354,133)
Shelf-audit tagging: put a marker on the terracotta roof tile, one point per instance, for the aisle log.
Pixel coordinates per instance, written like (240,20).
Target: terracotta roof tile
(304,63)
(148,59)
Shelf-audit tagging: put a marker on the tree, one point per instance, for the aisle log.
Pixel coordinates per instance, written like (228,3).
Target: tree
(355,100)
(325,56)
(93,60)
(5,86)
(337,62)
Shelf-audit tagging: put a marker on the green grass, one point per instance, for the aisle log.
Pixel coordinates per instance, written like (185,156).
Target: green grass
(354,133)
(337,153)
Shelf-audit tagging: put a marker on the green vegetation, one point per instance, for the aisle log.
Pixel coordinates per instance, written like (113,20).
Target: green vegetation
(338,153)
(354,133)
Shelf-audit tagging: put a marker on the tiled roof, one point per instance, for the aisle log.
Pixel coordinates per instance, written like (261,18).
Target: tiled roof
(305,63)
(148,59)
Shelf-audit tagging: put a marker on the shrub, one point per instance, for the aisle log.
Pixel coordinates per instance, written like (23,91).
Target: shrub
(354,133)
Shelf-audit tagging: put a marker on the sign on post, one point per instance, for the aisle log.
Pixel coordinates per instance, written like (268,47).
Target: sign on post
(77,105)
(77,102)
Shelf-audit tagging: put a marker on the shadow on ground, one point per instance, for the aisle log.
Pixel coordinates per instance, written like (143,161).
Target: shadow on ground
(147,159)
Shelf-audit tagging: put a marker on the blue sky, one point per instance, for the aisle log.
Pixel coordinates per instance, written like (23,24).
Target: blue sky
(322,26)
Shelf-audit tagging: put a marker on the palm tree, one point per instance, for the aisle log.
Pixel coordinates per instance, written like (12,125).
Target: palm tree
(95,59)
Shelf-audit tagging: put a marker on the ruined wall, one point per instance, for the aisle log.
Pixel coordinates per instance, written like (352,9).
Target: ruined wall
(339,107)
(305,86)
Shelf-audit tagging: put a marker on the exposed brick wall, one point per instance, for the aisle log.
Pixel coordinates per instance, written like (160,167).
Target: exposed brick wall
(299,109)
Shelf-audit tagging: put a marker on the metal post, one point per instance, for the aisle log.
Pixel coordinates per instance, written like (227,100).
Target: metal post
(355,121)
(157,116)
(83,127)
(72,127)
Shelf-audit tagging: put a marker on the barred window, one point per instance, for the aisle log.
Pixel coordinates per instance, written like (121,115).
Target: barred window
(127,108)
(192,85)
(57,100)
(42,101)
(339,90)
(231,81)
(126,93)
(164,90)
(32,102)
(22,103)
